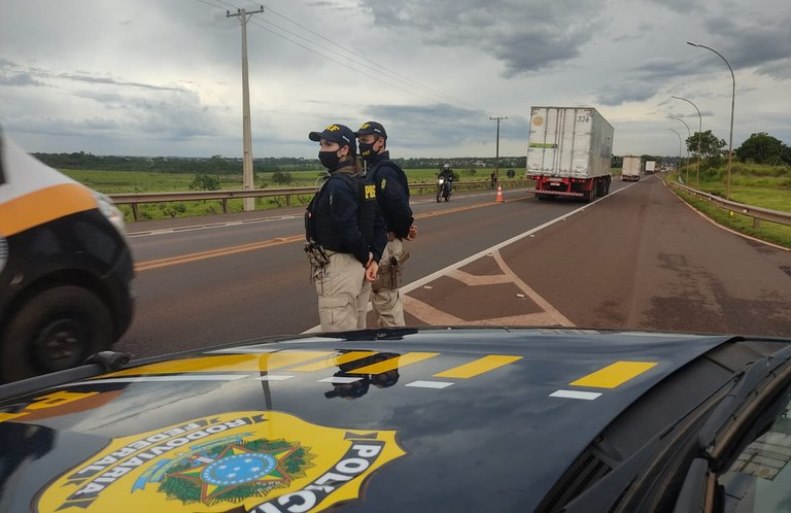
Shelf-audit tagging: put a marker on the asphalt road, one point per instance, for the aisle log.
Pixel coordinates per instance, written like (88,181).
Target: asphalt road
(638,259)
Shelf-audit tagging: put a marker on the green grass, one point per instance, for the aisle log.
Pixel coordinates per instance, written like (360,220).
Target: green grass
(115,182)
(761,186)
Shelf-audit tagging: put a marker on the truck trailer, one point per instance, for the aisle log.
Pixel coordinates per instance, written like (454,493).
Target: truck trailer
(650,167)
(632,168)
(569,153)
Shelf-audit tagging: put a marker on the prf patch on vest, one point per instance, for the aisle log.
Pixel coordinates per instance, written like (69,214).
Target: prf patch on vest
(265,462)
(370,191)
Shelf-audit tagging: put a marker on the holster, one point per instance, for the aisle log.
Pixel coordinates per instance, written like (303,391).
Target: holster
(317,257)
(389,276)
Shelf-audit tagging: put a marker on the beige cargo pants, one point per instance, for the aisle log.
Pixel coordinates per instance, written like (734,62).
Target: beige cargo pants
(387,303)
(338,286)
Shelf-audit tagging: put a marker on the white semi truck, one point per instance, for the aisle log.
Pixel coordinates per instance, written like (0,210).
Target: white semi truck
(632,168)
(569,153)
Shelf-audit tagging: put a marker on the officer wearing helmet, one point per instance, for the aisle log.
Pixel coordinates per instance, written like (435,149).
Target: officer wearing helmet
(392,195)
(345,232)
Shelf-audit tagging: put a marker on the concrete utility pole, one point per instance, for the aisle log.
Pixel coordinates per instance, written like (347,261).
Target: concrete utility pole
(497,155)
(247,139)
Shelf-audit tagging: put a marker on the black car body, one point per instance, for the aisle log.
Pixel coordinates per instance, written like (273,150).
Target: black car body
(435,420)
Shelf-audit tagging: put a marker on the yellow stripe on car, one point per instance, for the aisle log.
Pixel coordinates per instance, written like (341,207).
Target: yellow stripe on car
(394,363)
(614,375)
(41,206)
(477,367)
(226,363)
(334,361)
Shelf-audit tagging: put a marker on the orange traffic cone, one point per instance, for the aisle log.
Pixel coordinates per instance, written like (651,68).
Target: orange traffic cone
(499,198)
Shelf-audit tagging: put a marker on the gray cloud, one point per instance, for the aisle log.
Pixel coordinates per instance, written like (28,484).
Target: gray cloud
(753,40)
(681,6)
(18,79)
(110,81)
(524,35)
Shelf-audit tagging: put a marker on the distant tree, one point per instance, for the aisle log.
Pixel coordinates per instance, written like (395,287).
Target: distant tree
(281,178)
(710,146)
(205,183)
(761,148)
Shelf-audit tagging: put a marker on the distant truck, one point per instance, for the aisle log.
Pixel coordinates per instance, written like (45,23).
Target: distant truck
(650,167)
(569,153)
(632,168)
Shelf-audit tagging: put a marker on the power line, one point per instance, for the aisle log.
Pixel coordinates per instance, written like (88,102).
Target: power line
(353,52)
(414,85)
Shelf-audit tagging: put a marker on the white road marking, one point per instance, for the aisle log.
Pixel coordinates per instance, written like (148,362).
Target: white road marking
(429,384)
(181,377)
(274,377)
(575,394)
(339,380)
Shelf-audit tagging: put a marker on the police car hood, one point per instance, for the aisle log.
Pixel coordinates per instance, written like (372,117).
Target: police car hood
(404,420)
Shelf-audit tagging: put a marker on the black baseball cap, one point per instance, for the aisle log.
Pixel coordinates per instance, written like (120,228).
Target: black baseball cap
(371,127)
(340,134)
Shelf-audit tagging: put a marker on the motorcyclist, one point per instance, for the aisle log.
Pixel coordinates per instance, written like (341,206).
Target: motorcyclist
(447,173)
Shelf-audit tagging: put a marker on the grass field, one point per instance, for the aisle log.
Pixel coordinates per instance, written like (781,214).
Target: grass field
(760,186)
(114,182)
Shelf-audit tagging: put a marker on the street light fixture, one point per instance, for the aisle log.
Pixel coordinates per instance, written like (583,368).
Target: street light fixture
(689,133)
(679,148)
(700,131)
(733,104)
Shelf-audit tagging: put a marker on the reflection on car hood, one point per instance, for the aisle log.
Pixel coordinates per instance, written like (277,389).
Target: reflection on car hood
(428,420)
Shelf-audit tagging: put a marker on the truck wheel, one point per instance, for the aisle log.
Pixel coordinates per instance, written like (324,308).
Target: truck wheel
(55,330)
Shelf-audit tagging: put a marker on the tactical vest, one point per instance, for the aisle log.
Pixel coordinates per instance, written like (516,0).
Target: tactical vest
(392,165)
(319,225)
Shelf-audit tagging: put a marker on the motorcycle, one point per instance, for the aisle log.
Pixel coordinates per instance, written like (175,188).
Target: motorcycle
(443,188)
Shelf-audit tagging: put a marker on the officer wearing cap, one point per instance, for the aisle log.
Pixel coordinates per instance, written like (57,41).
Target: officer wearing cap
(345,232)
(392,194)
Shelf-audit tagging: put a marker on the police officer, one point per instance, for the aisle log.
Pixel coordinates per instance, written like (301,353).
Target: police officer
(392,195)
(345,232)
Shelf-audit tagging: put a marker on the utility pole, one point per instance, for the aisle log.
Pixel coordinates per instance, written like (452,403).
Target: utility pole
(497,155)
(247,139)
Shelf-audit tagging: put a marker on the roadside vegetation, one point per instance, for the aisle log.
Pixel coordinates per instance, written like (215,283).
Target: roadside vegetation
(758,185)
(134,182)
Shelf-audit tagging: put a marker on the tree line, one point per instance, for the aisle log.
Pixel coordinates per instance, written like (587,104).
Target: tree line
(218,164)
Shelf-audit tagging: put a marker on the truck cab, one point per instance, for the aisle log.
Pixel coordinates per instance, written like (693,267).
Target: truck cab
(66,270)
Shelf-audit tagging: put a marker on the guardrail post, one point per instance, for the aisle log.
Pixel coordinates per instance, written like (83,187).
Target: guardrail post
(756,223)
(224,206)
(288,200)
(135,213)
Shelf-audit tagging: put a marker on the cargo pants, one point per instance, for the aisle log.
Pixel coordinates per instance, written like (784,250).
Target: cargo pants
(338,285)
(387,303)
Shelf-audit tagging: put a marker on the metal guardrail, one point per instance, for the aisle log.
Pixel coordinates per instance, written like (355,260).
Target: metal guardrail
(136,199)
(757,213)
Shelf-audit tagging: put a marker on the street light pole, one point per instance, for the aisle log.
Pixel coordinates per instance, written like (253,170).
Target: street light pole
(679,148)
(686,146)
(733,105)
(700,131)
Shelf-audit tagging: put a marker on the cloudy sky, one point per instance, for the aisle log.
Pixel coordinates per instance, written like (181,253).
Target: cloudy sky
(163,77)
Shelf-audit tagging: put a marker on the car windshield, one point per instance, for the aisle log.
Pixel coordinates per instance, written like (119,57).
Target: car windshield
(759,480)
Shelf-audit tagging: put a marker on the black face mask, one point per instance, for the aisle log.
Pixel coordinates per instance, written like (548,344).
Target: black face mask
(367,151)
(329,159)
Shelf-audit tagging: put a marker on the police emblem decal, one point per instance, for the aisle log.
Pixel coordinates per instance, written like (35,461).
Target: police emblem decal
(256,461)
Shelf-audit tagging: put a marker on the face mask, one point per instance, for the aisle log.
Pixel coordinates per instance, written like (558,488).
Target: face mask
(329,159)
(367,150)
